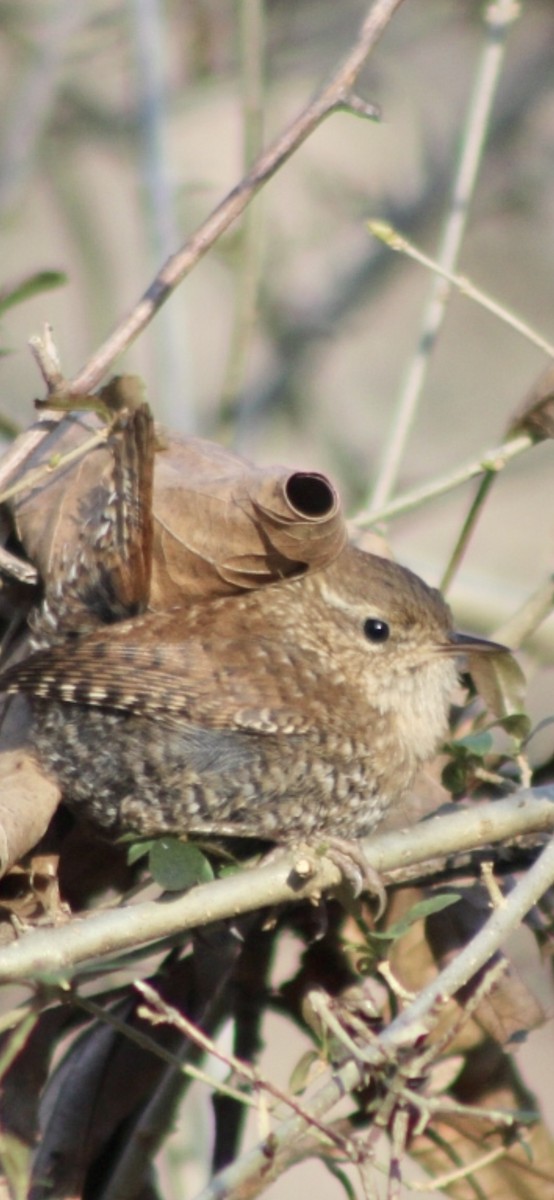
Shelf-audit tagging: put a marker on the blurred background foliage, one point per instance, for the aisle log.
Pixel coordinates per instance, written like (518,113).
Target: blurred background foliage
(123,124)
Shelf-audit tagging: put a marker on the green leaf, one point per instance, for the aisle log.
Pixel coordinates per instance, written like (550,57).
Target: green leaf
(31,285)
(340,1176)
(177,865)
(518,725)
(418,912)
(477,744)
(138,850)
(15,1157)
(454,776)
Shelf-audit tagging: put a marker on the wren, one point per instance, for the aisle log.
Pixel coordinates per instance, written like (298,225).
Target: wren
(301,709)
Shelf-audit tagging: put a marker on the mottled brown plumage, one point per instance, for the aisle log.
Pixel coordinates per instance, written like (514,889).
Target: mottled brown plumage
(300,709)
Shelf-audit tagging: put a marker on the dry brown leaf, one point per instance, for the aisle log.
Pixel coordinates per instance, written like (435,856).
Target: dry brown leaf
(489,1078)
(88,1098)
(28,801)
(23,1081)
(222,524)
(510,1007)
(525,1170)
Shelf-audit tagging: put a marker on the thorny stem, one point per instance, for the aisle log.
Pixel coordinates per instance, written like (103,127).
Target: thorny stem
(498,18)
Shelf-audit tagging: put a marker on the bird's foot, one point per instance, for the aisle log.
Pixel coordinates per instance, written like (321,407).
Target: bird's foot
(352,863)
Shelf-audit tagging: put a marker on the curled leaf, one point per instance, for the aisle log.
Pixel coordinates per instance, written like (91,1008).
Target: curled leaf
(222,525)
(518,725)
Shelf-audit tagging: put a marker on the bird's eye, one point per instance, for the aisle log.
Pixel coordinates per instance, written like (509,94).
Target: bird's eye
(376,630)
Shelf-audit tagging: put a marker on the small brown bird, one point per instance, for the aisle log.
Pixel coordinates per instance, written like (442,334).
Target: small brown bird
(297,710)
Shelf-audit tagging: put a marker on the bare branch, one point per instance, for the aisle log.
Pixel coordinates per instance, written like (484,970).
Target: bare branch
(62,949)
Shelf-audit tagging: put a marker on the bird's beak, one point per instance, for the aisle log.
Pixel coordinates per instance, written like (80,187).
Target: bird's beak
(466,643)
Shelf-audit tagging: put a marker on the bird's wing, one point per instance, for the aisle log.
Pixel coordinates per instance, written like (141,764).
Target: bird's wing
(211,681)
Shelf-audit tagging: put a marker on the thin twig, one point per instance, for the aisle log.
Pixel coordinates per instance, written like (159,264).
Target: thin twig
(498,18)
(483,489)
(158,1009)
(155,160)
(532,416)
(212,1000)
(486,942)
(31,478)
(147,1043)
(529,616)
(45,353)
(442,1181)
(396,241)
(16,568)
(262,1164)
(493,460)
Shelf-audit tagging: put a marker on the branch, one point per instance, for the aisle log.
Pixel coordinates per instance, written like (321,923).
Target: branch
(465,286)
(60,950)
(493,460)
(254,1170)
(335,95)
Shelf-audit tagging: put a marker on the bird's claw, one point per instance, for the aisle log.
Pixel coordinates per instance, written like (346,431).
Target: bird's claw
(351,861)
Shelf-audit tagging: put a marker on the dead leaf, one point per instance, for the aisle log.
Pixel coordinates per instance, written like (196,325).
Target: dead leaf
(509,1007)
(29,798)
(222,525)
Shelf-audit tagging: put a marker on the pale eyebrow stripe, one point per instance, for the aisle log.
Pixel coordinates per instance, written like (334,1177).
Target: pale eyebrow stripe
(358,611)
